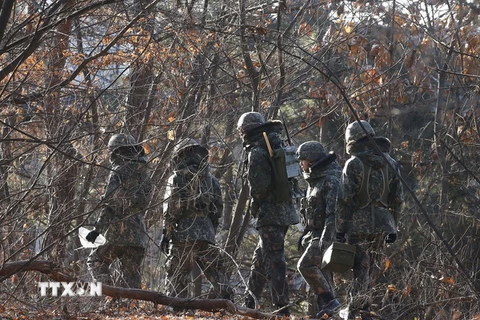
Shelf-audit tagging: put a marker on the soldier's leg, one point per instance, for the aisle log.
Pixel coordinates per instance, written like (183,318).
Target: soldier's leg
(131,260)
(273,238)
(257,277)
(210,262)
(320,282)
(376,246)
(98,263)
(359,298)
(180,264)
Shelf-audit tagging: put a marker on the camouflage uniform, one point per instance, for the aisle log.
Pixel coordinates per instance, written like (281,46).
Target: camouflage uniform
(274,217)
(192,209)
(122,219)
(318,216)
(369,204)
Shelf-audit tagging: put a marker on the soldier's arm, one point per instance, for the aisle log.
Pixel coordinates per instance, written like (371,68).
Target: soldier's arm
(259,174)
(330,194)
(170,206)
(216,205)
(107,214)
(395,198)
(112,185)
(350,184)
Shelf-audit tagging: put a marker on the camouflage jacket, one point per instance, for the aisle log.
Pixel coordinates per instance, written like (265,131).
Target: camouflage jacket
(319,206)
(192,206)
(260,177)
(126,199)
(372,216)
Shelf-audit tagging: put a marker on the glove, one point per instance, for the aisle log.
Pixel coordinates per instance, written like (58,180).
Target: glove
(390,238)
(340,237)
(92,236)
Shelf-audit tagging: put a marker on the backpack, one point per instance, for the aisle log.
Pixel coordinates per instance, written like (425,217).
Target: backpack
(284,168)
(364,195)
(134,187)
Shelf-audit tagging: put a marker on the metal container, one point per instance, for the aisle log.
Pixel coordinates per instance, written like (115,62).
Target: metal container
(338,257)
(293,168)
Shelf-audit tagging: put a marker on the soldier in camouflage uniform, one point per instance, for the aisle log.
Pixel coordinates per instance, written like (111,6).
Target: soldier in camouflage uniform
(274,215)
(322,173)
(192,209)
(122,219)
(368,205)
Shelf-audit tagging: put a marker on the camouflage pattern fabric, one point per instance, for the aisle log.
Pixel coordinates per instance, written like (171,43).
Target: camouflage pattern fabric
(265,207)
(130,259)
(373,219)
(125,198)
(273,216)
(122,219)
(192,210)
(193,206)
(367,227)
(249,121)
(182,260)
(269,265)
(318,216)
(368,248)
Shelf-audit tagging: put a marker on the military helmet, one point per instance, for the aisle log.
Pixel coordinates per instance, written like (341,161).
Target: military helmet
(250,120)
(121,140)
(311,151)
(189,145)
(355,132)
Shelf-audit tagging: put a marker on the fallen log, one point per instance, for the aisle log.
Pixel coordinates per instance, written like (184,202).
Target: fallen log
(56,273)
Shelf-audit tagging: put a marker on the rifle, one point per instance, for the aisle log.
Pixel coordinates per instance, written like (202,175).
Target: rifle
(289,140)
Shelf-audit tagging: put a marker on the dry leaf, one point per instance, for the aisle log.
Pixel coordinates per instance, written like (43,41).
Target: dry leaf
(448,280)
(387,264)
(171,135)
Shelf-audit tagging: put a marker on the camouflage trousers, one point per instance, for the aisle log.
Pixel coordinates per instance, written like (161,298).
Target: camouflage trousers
(268,264)
(368,250)
(130,259)
(183,259)
(309,265)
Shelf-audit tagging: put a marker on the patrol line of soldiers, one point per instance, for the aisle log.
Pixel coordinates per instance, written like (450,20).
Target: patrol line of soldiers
(359,205)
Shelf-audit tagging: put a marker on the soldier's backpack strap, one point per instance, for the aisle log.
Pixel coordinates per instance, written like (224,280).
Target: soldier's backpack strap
(364,195)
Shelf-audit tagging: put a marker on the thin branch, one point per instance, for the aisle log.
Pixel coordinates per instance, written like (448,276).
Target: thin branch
(56,273)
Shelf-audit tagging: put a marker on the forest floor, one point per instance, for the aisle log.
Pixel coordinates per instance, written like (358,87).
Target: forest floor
(75,310)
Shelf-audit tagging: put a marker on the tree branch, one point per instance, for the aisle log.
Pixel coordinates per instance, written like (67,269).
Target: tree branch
(5,13)
(57,274)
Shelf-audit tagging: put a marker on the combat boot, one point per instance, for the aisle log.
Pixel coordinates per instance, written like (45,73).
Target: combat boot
(249,302)
(329,309)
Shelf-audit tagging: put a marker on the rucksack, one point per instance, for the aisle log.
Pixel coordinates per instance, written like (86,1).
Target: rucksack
(364,195)
(284,168)
(134,187)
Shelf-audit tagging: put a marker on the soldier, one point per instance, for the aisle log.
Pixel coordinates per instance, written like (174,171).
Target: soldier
(192,209)
(322,173)
(122,219)
(274,213)
(368,205)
